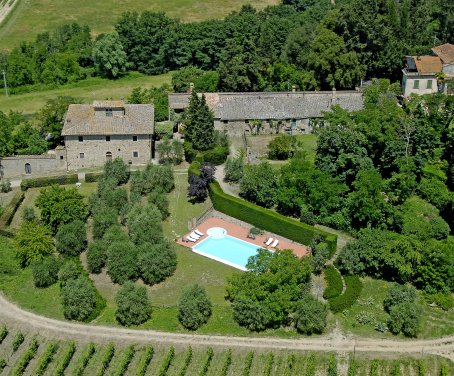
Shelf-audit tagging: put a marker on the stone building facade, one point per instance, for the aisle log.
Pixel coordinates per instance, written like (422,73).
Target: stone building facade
(106,130)
(269,112)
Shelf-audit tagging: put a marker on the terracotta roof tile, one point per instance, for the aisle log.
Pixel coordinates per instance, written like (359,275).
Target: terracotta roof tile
(445,52)
(428,64)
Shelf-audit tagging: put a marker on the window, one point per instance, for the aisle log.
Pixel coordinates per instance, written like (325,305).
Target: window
(225,121)
(416,84)
(81,155)
(81,139)
(108,112)
(28,169)
(134,138)
(61,156)
(135,154)
(109,156)
(429,84)
(108,138)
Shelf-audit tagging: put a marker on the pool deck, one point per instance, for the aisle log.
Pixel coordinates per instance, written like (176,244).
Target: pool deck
(241,233)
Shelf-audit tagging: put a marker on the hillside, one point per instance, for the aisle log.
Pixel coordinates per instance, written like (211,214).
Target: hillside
(34,16)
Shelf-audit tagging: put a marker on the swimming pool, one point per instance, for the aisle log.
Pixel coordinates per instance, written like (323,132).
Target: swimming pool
(228,250)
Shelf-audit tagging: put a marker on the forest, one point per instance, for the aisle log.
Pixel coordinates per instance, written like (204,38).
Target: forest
(311,44)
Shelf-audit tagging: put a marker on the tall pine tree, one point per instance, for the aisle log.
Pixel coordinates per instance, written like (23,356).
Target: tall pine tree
(191,116)
(203,133)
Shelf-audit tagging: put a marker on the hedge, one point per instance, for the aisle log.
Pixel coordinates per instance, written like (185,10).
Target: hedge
(10,209)
(334,281)
(350,295)
(267,219)
(91,177)
(216,156)
(44,182)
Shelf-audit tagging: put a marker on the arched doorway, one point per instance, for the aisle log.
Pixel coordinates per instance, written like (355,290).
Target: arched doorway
(28,169)
(109,156)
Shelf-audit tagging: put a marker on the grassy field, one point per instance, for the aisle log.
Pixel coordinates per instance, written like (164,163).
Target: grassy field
(368,311)
(31,17)
(261,363)
(88,90)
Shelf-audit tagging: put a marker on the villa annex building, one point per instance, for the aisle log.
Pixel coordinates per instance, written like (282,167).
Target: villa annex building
(276,112)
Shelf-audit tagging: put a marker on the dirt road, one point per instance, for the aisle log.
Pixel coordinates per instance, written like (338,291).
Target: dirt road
(337,342)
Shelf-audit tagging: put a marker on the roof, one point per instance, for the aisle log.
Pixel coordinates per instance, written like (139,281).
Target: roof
(428,64)
(445,52)
(108,104)
(81,120)
(273,105)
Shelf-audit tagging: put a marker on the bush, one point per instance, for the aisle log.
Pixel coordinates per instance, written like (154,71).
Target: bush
(216,156)
(444,301)
(96,256)
(10,209)
(71,238)
(103,220)
(117,169)
(251,315)
(310,315)
(145,225)
(115,234)
(189,152)
(282,147)
(194,307)
(92,177)
(17,341)
(33,242)
(161,201)
(28,214)
(320,254)
(133,305)
(152,178)
(350,295)
(267,219)
(78,299)
(405,318)
(156,262)
(194,168)
(164,129)
(50,180)
(5,186)
(234,169)
(45,272)
(398,294)
(334,283)
(69,271)
(122,262)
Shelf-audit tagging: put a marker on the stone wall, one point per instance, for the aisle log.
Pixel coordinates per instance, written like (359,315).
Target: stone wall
(238,127)
(37,165)
(93,151)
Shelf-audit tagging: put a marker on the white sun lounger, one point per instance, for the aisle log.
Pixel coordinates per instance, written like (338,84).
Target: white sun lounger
(198,232)
(194,235)
(190,239)
(269,241)
(275,243)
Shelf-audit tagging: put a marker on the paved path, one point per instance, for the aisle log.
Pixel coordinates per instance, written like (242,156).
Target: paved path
(333,342)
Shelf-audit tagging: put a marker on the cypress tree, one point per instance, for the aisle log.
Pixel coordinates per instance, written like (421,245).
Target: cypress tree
(203,132)
(191,117)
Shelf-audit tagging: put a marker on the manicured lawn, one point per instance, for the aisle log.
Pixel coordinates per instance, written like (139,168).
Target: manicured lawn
(369,307)
(88,90)
(36,16)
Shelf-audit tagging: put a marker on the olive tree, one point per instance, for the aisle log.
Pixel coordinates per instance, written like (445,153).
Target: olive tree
(78,299)
(133,305)
(194,307)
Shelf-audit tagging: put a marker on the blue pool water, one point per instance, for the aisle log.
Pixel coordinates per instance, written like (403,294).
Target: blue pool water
(229,250)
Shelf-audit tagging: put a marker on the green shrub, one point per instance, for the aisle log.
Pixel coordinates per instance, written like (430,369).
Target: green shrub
(133,305)
(122,262)
(444,301)
(96,256)
(350,295)
(103,220)
(194,168)
(68,271)
(267,219)
(207,362)
(166,362)
(125,361)
(248,363)
(10,209)
(107,357)
(17,341)
(398,294)
(78,299)
(29,215)
(269,364)
(194,307)
(310,315)
(5,186)
(26,358)
(334,283)
(45,359)
(92,177)
(33,242)
(234,169)
(164,129)
(87,354)
(156,262)
(187,361)
(117,169)
(71,238)
(3,333)
(216,156)
(405,318)
(45,271)
(189,152)
(50,180)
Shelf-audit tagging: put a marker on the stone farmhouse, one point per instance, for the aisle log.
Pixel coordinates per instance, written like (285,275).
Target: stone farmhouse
(424,74)
(269,112)
(92,134)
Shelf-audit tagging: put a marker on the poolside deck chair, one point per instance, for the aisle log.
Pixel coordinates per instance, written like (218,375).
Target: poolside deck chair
(191,239)
(269,241)
(275,243)
(194,235)
(198,232)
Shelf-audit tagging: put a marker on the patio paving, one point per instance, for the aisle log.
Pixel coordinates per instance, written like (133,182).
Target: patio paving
(241,233)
